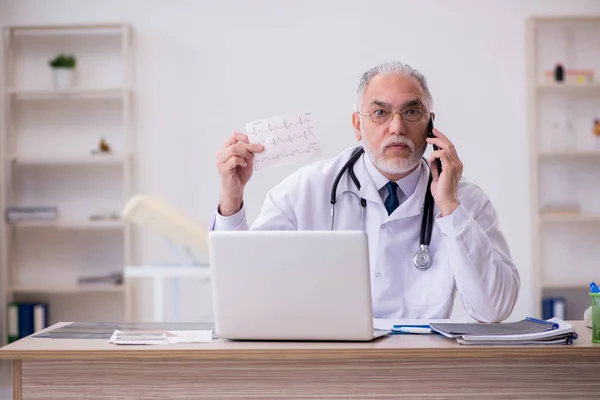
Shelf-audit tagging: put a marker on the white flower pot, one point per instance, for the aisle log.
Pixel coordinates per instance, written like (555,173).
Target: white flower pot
(63,78)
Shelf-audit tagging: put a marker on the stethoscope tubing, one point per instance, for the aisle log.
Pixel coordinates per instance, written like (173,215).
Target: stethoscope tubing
(422,258)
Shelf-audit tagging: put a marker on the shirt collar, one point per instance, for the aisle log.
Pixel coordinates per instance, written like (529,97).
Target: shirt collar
(406,184)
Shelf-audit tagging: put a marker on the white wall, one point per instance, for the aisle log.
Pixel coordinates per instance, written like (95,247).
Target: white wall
(205,68)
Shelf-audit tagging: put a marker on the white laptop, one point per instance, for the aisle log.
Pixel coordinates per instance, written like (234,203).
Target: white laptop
(292,285)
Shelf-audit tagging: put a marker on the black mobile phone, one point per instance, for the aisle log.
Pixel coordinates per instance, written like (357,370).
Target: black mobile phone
(438,162)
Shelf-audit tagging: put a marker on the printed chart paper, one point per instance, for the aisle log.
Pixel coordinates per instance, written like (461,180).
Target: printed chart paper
(160,337)
(287,138)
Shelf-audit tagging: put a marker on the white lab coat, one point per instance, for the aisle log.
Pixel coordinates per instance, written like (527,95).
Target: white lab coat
(470,255)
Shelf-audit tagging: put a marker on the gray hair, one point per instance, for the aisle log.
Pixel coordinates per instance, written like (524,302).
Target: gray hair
(388,68)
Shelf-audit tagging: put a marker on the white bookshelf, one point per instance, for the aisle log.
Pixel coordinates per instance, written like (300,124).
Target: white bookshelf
(74,160)
(100,288)
(566,87)
(570,153)
(568,218)
(48,152)
(75,94)
(564,160)
(81,225)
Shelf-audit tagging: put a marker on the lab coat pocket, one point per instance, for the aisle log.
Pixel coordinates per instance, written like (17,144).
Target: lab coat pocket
(428,287)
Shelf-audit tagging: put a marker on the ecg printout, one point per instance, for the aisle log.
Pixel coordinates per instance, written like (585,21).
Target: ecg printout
(286,138)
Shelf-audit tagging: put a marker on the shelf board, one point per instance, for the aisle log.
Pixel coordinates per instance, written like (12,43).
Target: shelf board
(71,225)
(565,285)
(108,28)
(76,94)
(569,217)
(569,153)
(567,18)
(68,289)
(100,159)
(569,87)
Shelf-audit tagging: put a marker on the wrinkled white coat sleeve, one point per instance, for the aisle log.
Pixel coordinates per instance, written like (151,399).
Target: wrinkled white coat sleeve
(276,214)
(486,277)
(235,222)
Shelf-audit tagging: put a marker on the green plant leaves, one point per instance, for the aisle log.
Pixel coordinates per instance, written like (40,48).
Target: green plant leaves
(63,61)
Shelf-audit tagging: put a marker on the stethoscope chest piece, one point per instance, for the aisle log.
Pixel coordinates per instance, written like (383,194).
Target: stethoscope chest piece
(422,259)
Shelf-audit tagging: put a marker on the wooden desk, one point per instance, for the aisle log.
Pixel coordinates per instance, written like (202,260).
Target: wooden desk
(401,366)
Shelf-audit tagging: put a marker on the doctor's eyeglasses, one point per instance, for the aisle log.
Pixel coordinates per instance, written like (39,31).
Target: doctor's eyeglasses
(381,115)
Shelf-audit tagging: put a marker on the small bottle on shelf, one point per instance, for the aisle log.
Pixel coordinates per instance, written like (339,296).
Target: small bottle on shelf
(559,73)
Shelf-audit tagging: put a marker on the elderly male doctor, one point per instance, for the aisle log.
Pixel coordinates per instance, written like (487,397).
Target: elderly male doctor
(470,255)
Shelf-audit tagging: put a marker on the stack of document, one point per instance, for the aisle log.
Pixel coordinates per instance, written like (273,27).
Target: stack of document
(160,337)
(18,214)
(529,331)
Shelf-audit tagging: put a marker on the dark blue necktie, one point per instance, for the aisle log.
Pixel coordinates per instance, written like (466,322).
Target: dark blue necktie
(392,202)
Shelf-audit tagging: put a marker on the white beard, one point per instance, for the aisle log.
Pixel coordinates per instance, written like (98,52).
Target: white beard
(394,166)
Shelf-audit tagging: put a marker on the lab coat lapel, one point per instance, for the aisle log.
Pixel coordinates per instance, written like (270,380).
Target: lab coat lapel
(414,204)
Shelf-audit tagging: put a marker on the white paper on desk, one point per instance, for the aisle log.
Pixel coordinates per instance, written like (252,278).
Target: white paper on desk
(138,337)
(287,138)
(160,337)
(191,337)
(388,324)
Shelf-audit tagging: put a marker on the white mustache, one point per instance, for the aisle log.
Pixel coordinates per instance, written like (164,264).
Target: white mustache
(397,140)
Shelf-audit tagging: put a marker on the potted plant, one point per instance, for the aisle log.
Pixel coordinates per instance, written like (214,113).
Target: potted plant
(63,71)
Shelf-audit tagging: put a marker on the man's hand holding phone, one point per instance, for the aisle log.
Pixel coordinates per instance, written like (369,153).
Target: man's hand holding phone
(444,185)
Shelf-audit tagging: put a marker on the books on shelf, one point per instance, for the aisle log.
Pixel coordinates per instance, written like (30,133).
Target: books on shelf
(16,214)
(26,318)
(554,307)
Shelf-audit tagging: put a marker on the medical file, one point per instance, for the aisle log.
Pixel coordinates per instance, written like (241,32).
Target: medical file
(552,331)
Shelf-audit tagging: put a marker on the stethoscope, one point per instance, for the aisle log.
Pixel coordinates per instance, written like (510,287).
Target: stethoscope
(422,259)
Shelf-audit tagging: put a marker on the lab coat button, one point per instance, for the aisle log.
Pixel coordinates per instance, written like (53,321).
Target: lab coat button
(378,275)
(382,226)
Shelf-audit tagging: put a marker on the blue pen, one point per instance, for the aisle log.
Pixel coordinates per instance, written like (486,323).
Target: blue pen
(554,325)
(412,329)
